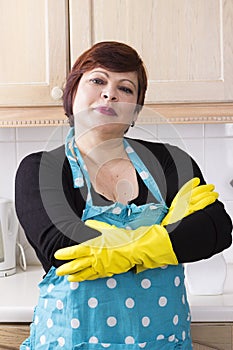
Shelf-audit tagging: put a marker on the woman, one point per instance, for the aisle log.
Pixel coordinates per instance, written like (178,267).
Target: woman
(104,199)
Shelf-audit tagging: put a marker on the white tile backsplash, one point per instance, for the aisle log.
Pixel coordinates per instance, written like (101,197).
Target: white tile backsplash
(171,131)
(7,134)
(25,148)
(146,132)
(8,167)
(15,144)
(211,145)
(194,147)
(39,133)
(219,165)
(228,253)
(218,130)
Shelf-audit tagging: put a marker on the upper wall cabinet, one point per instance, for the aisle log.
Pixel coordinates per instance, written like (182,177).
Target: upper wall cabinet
(187,46)
(33,60)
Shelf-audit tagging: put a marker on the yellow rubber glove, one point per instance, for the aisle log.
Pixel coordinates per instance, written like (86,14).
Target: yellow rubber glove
(190,199)
(116,251)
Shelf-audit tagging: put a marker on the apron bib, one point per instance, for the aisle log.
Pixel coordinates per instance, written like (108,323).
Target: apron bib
(128,311)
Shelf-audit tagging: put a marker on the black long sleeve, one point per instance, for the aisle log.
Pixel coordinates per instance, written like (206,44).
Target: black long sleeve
(50,209)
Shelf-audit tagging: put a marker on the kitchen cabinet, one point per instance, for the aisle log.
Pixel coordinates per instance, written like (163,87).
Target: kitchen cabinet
(33,63)
(197,346)
(187,47)
(206,336)
(34,58)
(12,335)
(212,336)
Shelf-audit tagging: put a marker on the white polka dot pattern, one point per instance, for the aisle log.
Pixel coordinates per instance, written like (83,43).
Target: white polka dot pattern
(115,320)
(129,149)
(160,337)
(129,303)
(36,321)
(42,339)
(49,323)
(171,338)
(129,340)
(111,283)
(59,304)
(145,283)
(93,340)
(74,285)
(75,323)
(111,321)
(61,341)
(175,319)
(177,281)
(79,182)
(92,302)
(145,321)
(50,287)
(116,210)
(144,175)
(162,301)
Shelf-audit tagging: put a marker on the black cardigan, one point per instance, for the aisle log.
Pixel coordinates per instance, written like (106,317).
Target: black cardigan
(49,208)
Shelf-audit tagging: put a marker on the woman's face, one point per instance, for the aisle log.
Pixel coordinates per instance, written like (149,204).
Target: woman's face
(106,98)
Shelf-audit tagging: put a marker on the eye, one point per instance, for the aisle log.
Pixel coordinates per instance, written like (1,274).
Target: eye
(97,81)
(126,90)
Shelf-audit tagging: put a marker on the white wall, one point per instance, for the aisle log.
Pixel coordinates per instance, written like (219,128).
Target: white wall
(211,145)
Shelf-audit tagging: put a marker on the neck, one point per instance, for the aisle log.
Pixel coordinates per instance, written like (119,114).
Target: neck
(100,150)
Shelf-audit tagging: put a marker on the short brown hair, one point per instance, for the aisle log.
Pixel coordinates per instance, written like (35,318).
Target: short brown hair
(112,55)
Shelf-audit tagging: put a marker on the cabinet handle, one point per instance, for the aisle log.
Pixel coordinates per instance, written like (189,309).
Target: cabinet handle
(56,93)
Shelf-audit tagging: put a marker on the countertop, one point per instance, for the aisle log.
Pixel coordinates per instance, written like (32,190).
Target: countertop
(19,295)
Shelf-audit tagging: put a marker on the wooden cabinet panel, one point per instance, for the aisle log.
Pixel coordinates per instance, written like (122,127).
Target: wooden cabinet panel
(12,335)
(206,336)
(197,346)
(215,335)
(33,58)
(186,45)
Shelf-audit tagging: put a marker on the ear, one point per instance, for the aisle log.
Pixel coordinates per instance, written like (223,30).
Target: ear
(135,115)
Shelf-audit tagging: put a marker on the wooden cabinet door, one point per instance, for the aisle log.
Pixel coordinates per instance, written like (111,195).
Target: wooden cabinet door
(33,59)
(12,335)
(197,346)
(187,46)
(212,336)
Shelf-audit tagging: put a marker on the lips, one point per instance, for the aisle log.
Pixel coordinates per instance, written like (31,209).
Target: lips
(106,111)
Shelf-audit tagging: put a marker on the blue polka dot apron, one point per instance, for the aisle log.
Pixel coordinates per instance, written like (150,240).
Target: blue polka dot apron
(128,311)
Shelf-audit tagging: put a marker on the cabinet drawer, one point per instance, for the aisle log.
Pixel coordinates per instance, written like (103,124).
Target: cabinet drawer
(197,346)
(217,335)
(12,335)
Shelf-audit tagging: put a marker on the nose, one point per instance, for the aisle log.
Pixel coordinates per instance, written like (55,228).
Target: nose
(109,96)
